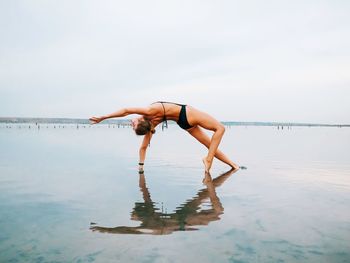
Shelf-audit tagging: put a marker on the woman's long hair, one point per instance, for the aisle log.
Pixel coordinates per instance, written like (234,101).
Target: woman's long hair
(144,126)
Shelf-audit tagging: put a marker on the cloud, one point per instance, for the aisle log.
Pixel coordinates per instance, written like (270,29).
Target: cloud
(237,60)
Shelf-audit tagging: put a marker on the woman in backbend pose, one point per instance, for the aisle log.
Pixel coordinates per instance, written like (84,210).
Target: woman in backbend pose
(187,117)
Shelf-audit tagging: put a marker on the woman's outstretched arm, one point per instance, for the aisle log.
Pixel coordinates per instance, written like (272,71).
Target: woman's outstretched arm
(121,113)
(143,148)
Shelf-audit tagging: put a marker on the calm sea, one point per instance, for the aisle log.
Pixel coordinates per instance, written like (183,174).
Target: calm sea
(74,194)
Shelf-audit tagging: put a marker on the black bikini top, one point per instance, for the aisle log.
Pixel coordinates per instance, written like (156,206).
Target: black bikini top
(164,121)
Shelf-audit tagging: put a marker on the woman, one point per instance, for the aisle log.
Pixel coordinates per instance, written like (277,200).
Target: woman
(187,117)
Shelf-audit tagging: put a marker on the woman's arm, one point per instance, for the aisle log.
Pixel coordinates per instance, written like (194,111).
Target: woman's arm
(121,113)
(142,152)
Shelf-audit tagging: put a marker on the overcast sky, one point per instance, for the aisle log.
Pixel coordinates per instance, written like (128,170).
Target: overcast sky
(238,60)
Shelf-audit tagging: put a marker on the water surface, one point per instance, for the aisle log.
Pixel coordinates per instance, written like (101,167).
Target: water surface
(75,195)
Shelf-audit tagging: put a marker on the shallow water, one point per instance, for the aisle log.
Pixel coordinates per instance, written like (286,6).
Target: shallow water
(75,195)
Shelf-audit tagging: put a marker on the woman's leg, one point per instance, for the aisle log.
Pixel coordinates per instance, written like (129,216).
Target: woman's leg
(204,120)
(199,134)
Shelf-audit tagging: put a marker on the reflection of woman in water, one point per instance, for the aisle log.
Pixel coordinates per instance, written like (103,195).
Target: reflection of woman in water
(184,218)
(187,117)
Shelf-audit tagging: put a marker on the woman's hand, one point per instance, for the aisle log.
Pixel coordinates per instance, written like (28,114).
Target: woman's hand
(141,171)
(95,120)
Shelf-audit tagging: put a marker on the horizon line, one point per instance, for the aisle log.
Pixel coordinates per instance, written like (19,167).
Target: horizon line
(67,120)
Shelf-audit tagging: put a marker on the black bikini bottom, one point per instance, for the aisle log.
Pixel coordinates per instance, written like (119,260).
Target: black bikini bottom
(182,122)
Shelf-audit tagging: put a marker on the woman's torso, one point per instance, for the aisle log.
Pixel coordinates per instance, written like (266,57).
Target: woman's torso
(190,116)
(164,111)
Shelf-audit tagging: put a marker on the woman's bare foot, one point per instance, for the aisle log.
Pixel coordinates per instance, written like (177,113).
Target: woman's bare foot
(207,178)
(207,164)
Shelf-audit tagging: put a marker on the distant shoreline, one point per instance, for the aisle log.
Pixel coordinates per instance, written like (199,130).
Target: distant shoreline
(15,120)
